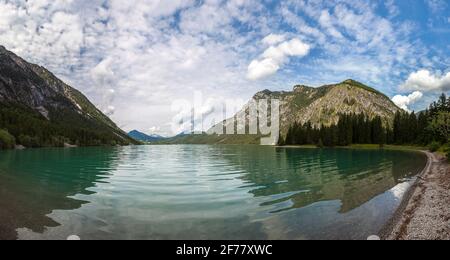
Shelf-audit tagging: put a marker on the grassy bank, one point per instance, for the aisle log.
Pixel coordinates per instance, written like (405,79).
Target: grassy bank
(389,147)
(365,146)
(443,151)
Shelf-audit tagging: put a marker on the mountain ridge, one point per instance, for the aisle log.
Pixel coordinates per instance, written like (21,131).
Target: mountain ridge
(324,104)
(39,109)
(140,136)
(320,106)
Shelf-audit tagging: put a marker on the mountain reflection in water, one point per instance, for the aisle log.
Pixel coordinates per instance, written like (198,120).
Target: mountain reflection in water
(201,192)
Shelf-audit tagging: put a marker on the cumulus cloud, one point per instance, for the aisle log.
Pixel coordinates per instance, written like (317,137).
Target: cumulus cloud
(43,30)
(273,39)
(103,77)
(102,74)
(356,40)
(155,130)
(132,58)
(424,80)
(275,57)
(109,110)
(404,101)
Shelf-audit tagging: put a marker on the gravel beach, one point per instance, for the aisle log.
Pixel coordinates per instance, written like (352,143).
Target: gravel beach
(425,210)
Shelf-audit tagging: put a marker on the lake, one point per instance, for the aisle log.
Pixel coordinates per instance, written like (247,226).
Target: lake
(201,192)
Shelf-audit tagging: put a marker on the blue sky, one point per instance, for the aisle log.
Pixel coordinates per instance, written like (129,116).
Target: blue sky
(134,58)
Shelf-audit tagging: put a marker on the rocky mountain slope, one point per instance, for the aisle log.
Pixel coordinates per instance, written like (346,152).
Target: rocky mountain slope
(323,105)
(320,106)
(38,109)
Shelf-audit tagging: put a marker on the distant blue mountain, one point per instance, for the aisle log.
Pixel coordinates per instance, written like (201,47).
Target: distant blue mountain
(144,137)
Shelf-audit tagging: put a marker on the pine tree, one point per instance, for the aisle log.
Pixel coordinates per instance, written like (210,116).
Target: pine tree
(422,133)
(412,126)
(377,131)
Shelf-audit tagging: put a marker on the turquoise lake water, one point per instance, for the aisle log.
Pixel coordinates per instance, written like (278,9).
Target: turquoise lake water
(201,192)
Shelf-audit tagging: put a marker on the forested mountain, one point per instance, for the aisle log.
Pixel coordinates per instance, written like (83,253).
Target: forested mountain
(324,105)
(320,107)
(37,110)
(427,127)
(136,135)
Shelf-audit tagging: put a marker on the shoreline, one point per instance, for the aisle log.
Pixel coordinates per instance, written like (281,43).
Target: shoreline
(361,147)
(424,213)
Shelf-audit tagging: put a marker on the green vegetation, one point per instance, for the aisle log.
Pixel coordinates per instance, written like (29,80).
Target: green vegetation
(39,110)
(351,129)
(89,108)
(323,105)
(434,146)
(303,99)
(360,85)
(431,127)
(212,139)
(388,147)
(7,141)
(31,129)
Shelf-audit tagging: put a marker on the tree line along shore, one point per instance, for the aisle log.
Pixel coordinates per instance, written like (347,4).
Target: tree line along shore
(429,128)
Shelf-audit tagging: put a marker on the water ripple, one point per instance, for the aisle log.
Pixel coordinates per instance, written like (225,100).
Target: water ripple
(222,192)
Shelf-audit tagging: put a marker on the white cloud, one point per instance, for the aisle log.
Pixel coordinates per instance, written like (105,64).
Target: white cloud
(103,74)
(436,5)
(424,80)
(109,111)
(404,101)
(275,57)
(155,130)
(132,58)
(372,49)
(261,69)
(273,39)
(392,8)
(326,22)
(103,77)
(44,32)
